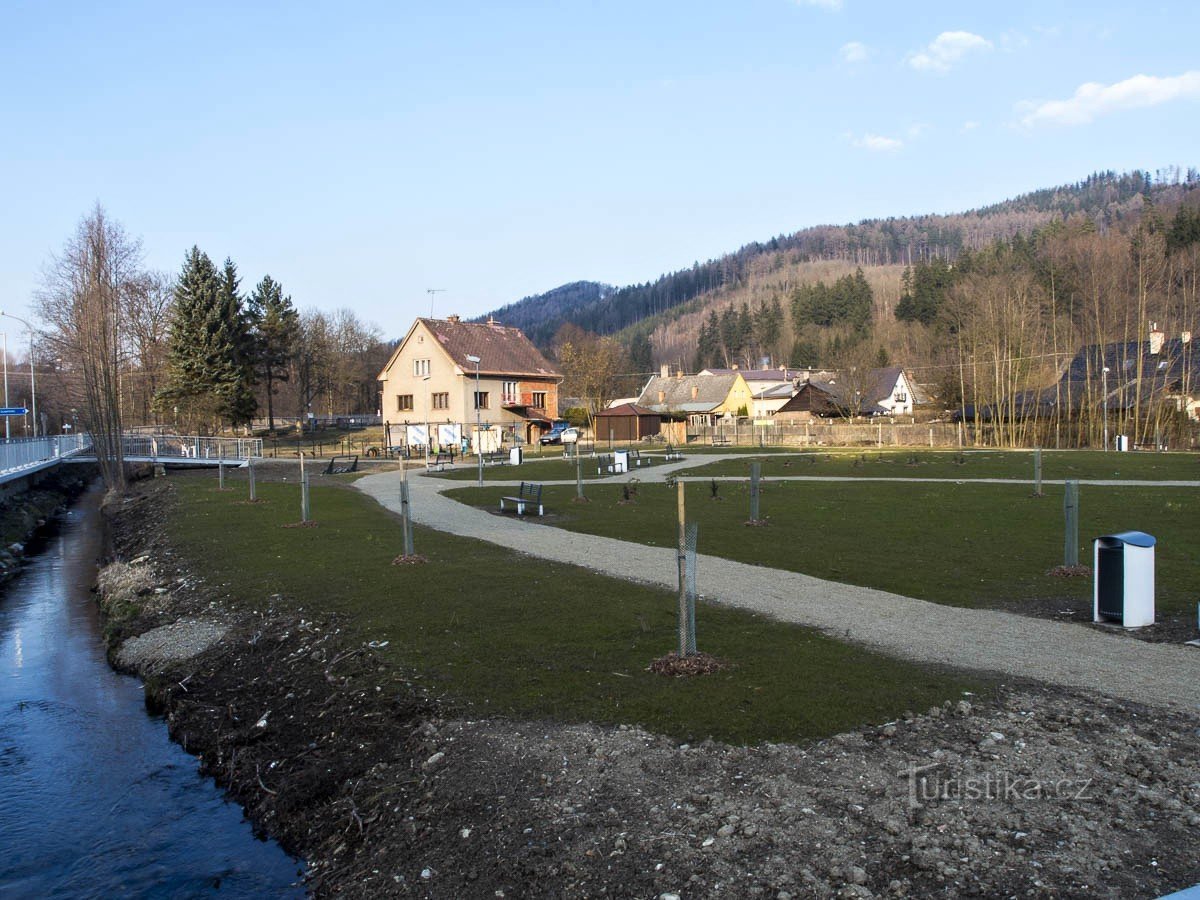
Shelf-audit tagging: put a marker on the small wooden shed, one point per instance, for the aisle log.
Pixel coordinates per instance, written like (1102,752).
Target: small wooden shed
(627,422)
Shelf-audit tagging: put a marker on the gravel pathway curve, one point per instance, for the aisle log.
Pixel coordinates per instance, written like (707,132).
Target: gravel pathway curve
(985,640)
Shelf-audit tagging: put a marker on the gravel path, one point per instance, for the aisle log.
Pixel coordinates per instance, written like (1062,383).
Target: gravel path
(986,640)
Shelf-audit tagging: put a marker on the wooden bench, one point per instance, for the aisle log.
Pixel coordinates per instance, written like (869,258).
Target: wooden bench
(720,440)
(495,458)
(439,461)
(529,495)
(672,453)
(637,460)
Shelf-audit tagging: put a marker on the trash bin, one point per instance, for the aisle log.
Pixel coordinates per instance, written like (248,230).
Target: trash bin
(1122,443)
(515,455)
(1124,579)
(620,462)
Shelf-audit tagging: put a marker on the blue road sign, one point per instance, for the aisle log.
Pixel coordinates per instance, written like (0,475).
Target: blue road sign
(13,410)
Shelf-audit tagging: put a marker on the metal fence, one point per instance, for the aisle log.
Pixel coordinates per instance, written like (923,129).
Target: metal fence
(20,453)
(174,446)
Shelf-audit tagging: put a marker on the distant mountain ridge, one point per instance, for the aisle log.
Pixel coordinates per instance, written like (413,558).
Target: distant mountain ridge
(1104,197)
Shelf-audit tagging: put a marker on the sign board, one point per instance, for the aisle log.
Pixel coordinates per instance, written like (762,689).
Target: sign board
(13,410)
(449,435)
(763,423)
(417,435)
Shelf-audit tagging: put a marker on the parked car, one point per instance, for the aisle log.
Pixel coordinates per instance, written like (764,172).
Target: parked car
(555,434)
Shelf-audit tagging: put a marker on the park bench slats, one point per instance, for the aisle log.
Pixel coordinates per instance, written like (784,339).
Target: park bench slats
(530,494)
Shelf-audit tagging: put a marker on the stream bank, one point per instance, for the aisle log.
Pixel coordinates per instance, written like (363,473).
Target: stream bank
(387,791)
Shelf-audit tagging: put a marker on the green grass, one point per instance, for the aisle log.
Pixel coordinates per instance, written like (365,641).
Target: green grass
(532,469)
(960,544)
(502,634)
(1015,464)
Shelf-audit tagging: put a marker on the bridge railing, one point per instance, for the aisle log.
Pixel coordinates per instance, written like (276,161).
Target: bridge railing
(20,453)
(172,446)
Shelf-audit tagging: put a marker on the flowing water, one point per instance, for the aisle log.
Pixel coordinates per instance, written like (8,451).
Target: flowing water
(95,800)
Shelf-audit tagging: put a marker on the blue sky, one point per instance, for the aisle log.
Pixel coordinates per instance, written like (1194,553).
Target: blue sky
(361,153)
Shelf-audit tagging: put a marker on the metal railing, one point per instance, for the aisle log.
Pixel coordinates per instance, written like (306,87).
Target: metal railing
(19,454)
(180,447)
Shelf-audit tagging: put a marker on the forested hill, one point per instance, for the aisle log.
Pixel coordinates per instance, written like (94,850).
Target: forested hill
(1107,198)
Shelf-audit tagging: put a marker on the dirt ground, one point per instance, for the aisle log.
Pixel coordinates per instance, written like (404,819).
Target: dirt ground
(1025,792)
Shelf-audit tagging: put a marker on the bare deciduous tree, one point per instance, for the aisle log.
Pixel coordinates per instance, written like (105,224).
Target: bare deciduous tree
(82,300)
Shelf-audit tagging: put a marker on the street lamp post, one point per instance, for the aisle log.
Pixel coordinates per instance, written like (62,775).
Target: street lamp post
(6,418)
(478,428)
(428,436)
(1104,404)
(32,385)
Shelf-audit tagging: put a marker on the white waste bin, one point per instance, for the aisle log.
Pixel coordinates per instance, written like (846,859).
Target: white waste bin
(1123,443)
(515,456)
(620,462)
(1124,579)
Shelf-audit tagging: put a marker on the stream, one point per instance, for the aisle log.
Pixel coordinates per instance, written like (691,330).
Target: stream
(95,799)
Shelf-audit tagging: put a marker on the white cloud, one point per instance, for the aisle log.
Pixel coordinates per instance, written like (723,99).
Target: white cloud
(854,52)
(1092,100)
(947,49)
(877,143)
(969,126)
(831,5)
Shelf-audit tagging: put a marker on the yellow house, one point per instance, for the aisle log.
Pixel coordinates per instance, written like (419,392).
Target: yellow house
(701,398)
(433,390)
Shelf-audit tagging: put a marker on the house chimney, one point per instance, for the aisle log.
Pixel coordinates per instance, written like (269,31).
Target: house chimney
(1156,340)
(662,397)
(1185,337)
(695,391)
(665,371)
(491,320)
(679,373)
(735,367)
(451,318)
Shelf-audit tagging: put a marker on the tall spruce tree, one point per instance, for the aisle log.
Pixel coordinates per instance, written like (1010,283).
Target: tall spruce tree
(276,331)
(208,378)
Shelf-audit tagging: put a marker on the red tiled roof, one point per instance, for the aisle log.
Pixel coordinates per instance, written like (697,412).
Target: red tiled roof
(501,350)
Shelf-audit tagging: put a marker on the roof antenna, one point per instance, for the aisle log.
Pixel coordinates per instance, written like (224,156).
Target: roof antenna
(431,292)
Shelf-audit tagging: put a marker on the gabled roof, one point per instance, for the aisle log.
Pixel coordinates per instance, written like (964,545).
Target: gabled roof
(780,374)
(687,393)
(626,409)
(881,382)
(502,350)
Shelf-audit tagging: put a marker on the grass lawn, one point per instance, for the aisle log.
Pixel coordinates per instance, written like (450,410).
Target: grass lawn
(961,544)
(535,469)
(1016,464)
(497,633)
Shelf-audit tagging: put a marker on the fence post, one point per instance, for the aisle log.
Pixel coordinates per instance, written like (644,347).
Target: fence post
(578,473)
(1037,472)
(1071,523)
(253,489)
(221,473)
(755,474)
(405,512)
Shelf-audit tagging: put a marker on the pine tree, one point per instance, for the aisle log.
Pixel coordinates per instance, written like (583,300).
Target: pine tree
(275,328)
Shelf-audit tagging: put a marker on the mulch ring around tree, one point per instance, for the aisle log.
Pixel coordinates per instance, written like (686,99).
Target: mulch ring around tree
(674,666)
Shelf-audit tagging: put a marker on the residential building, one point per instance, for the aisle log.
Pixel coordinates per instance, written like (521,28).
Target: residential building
(431,396)
(875,392)
(701,399)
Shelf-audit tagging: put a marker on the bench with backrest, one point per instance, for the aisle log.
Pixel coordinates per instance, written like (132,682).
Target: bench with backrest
(437,462)
(495,458)
(720,440)
(672,453)
(636,458)
(530,494)
(604,464)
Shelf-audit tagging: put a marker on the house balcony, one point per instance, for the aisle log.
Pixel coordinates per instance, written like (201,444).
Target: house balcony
(529,399)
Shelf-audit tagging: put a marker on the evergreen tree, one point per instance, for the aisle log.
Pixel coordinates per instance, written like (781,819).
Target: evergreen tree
(925,287)
(207,372)
(275,331)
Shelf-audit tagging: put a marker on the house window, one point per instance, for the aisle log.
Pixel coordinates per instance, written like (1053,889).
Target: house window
(420,367)
(481,399)
(509,389)
(404,402)
(901,397)
(441,401)
(539,399)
